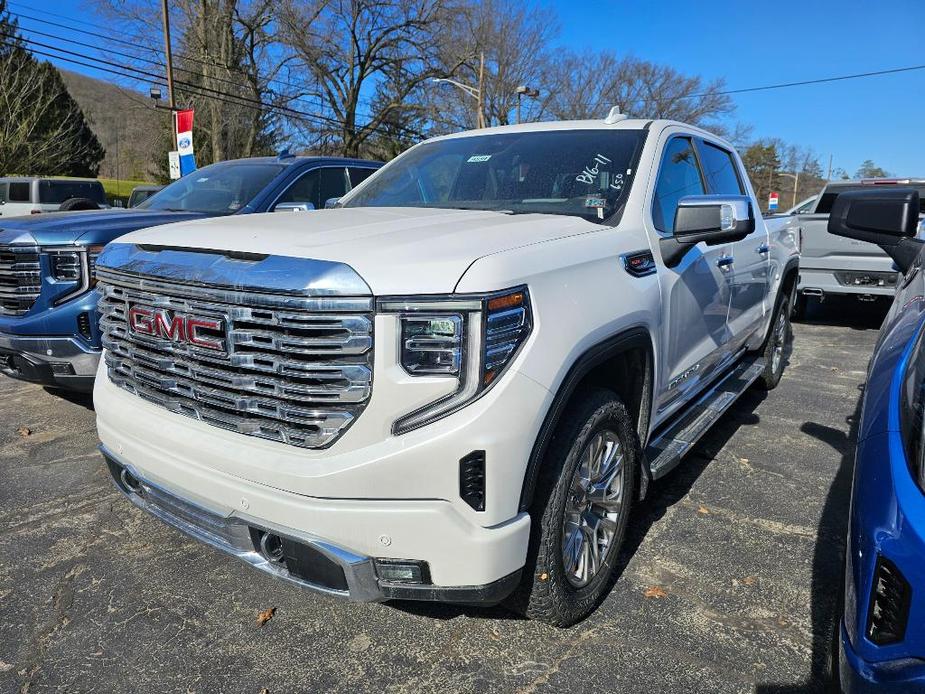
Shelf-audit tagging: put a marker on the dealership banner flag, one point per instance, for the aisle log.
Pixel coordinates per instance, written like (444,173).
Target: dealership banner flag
(185,141)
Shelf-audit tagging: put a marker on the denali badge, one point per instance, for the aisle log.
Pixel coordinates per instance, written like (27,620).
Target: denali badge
(175,327)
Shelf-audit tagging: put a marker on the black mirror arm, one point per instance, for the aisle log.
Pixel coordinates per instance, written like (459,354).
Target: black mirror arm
(672,250)
(904,252)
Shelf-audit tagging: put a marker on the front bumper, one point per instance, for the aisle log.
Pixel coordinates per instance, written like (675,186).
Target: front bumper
(61,362)
(323,566)
(860,677)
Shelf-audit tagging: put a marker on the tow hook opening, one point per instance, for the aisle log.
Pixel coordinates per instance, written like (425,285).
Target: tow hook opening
(271,548)
(132,483)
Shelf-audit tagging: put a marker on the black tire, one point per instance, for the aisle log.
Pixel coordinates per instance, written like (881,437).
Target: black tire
(547,592)
(74,204)
(775,346)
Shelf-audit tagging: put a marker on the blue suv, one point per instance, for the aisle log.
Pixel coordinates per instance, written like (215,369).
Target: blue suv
(49,331)
(881,636)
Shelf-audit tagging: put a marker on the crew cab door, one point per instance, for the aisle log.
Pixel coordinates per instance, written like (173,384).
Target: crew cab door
(696,292)
(748,275)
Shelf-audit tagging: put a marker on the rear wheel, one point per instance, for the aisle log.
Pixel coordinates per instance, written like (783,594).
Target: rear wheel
(74,204)
(579,517)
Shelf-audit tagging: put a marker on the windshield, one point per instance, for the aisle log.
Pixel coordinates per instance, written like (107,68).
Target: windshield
(54,192)
(583,173)
(222,188)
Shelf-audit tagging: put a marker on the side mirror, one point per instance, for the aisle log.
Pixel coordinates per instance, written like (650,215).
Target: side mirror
(294,207)
(712,219)
(887,218)
(331,203)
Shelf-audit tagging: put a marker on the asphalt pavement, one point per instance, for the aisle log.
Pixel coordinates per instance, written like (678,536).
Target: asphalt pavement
(727,582)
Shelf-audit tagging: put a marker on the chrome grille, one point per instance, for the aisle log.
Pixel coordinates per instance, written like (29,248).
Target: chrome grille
(294,369)
(20,279)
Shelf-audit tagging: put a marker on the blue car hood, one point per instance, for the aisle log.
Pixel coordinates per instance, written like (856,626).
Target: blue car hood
(98,226)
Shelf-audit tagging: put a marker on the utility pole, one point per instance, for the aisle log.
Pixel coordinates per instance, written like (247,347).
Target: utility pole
(171,101)
(829,175)
(480,116)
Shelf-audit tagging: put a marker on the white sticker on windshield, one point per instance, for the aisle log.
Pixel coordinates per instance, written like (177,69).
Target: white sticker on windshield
(476,158)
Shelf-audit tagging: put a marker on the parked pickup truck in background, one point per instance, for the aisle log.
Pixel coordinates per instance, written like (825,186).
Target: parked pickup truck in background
(21,196)
(49,331)
(454,386)
(835,265)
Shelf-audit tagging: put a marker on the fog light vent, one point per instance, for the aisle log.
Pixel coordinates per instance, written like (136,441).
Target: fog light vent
(472,480)
(83,325)
(402,571)
(889,605)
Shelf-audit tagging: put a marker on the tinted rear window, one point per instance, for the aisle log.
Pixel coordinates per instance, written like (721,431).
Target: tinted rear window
(19,192)
(54,192)
(828,197)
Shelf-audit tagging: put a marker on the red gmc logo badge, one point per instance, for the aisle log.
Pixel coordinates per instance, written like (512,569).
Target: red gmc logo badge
(176,327)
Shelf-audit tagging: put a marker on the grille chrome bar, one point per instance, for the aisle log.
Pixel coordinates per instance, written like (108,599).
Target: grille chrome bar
(20,279)
(295,369)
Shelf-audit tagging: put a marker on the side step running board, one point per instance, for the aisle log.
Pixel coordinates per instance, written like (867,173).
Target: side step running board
(667,448)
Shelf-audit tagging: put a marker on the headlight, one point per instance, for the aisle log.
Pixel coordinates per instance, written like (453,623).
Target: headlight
(73,264)
(911,410)
(469,338)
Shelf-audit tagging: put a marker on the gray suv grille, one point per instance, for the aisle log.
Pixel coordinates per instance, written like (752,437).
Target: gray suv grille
(291,369)
(20,279)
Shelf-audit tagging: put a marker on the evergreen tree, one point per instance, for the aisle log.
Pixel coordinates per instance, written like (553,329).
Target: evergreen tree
(42,129)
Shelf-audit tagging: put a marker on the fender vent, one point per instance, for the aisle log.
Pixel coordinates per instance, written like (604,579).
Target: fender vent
(472,480)
(890,598)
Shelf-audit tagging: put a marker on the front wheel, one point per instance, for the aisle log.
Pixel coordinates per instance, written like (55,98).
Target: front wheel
(775,346)
(582,505)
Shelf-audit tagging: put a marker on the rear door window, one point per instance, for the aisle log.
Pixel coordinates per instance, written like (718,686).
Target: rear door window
(19,192)
(357,175)
(720,168)
(679,175)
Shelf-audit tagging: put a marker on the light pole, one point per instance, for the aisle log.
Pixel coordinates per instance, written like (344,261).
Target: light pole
(524,90)
(796,181)
(168,54)
(474,92)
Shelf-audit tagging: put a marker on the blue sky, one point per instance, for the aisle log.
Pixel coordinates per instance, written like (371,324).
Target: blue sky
(748,44)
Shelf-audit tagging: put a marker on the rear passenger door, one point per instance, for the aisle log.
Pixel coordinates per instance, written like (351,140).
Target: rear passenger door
(695,292)
(751,257)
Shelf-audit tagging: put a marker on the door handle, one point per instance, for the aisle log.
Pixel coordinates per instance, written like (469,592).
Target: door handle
(725,262)
(762,249)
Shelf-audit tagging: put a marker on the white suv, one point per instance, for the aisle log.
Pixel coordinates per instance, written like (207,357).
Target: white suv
(454,386)
(30,195)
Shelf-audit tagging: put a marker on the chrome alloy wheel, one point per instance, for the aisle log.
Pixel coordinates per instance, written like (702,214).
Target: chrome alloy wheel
(780,338)
(592,508)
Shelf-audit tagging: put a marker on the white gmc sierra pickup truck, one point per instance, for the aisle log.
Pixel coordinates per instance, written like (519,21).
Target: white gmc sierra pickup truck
(454,385)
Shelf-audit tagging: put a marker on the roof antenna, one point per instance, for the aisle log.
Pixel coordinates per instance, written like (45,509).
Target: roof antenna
(615,116)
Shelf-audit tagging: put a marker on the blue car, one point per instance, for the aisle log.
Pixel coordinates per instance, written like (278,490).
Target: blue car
(881,639)
(49,332)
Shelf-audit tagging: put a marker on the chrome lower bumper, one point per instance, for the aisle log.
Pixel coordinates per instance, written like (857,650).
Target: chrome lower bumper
(53,361)
(239,535)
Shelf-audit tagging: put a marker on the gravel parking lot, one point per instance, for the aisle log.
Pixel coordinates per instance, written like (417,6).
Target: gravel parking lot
(727,583)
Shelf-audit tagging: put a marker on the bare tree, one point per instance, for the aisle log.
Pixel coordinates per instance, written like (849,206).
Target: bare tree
(365,60)
(513,38)
(227,67)
(587,85)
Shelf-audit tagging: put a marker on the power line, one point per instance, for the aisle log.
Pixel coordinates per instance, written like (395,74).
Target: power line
(822,80)
(197,90)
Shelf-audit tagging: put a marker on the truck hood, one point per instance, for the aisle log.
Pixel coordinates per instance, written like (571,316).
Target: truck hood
(56,228)
(395,250)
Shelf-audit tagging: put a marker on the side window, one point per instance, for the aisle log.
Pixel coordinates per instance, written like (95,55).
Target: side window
(333,185)
(357,176)
(678,176)
(305,189)
(3,192)
(720,168)
(19,192)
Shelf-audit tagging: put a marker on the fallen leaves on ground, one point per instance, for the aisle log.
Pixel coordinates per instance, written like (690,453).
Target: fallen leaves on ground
(24,431)
(655,592)
(703,510)
(265,616)
(747,581)
(264,690)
